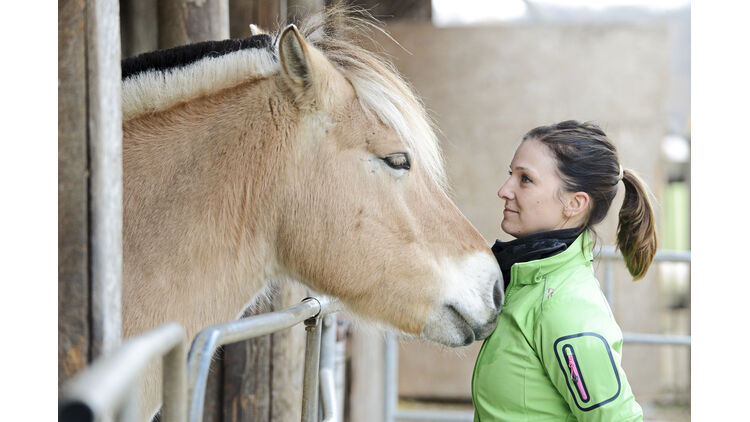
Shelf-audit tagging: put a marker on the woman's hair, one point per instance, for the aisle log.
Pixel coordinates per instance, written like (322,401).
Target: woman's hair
(587,162)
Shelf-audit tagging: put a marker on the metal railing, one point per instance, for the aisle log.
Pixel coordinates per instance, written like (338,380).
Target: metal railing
(608,255)
(107,390)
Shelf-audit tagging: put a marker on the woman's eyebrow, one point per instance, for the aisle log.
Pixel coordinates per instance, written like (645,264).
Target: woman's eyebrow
(523,168)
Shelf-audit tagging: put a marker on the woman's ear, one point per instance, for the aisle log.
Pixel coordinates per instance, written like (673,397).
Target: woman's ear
(576,204)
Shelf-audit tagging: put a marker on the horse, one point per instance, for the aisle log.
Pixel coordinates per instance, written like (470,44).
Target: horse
(298,155)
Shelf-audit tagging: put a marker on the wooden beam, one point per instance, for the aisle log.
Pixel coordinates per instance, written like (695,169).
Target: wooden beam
(263,13)
(139,26)
(105,173)
(72,189)
(89,183)
(387,10)
(247,376)
(187,21)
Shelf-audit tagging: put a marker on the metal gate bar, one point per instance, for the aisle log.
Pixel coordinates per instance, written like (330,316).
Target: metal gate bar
(108,388)
(641,338)
(609,254)
(327,372)
(209,339)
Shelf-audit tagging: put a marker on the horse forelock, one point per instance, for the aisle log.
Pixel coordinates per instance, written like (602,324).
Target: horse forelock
(156,81)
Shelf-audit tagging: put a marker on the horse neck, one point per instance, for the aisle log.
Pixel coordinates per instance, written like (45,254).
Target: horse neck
(200,203)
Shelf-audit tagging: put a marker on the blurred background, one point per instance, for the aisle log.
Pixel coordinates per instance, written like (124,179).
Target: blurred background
(488,71)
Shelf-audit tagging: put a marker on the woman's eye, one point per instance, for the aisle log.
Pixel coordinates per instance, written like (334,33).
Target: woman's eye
(399,161)
(525,179)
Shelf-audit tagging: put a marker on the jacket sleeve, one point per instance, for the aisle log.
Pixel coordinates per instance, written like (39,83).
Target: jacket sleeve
(579,345)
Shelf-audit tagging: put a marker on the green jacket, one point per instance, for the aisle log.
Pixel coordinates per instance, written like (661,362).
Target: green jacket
(555,353)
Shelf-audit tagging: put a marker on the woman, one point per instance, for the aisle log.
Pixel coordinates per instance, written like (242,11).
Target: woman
(555,354)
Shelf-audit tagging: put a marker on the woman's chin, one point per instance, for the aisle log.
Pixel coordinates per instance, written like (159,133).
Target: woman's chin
(510,230)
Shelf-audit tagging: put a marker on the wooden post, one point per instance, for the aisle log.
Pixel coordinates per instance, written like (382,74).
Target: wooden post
(187,21)
(105,173)
(287,360)
(89,183)
(72,188)
(265,14)
(139,26)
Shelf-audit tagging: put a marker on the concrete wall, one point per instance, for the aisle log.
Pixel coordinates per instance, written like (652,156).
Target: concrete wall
(487,86)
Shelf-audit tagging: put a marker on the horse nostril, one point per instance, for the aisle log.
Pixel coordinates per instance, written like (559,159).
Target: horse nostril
(498,293)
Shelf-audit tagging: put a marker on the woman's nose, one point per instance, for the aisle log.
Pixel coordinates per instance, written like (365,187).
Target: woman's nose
(504,192)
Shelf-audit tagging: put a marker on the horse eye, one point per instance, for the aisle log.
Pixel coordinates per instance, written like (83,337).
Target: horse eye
(399,161)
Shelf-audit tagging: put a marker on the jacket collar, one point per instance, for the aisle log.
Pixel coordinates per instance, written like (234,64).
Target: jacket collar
(532,272)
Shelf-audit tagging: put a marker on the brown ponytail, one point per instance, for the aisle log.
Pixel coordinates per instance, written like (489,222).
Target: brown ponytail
(587,162)
(636,233)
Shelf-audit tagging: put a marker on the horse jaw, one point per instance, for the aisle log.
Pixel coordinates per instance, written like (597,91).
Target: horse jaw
(472,298)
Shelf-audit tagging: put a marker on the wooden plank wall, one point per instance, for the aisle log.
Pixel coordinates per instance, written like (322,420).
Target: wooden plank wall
(73,336)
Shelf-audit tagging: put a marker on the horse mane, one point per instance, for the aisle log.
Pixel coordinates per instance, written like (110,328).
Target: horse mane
(176,57)
(154,82)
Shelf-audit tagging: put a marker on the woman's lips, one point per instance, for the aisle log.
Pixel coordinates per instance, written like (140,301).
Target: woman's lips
(509,211)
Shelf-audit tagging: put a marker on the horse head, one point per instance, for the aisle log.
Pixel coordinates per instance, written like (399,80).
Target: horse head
(365,216)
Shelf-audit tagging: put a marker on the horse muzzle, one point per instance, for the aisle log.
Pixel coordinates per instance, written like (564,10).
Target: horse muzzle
(455,324)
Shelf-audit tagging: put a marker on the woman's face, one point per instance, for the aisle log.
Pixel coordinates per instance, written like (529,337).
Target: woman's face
(532,194)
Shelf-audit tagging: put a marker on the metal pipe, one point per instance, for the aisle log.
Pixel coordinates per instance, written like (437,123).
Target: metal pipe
(312,360)
(640,338)
(129,410)
(211,338)
(340,365)
(327,370)
(610,252)
(174,374)
(433,415)
(104,387)
(390,393)
(609,283)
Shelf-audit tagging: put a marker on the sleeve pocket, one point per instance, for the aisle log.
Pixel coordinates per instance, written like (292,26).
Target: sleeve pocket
(589,369)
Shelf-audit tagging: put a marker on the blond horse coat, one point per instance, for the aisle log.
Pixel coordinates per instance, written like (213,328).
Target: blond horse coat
(310,161)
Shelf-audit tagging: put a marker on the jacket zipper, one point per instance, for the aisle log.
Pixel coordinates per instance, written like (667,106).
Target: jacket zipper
(575,374)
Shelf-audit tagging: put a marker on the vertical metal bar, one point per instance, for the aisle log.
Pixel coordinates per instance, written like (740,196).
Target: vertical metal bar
(105,154)
(340,365)
(174,374)
(327,368)
(390,395)
(129,410)
(609,283)
(312,359)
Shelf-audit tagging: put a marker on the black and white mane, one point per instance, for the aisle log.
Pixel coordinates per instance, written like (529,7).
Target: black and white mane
(177,57)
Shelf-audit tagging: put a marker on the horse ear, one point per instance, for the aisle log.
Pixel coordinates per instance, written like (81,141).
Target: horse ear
(295,59)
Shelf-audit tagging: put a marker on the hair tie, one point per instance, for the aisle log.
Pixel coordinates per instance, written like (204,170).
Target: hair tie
(621,174)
